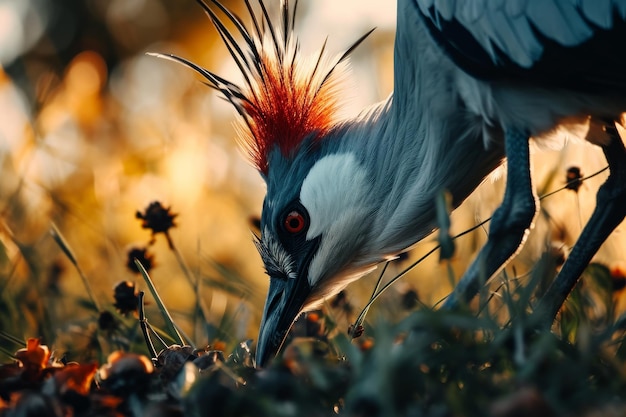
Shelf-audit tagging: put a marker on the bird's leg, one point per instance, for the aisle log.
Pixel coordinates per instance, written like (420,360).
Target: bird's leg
(509,225)
(609,212)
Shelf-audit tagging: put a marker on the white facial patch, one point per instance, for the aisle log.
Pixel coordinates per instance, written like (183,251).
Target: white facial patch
(334,184)
(335,194)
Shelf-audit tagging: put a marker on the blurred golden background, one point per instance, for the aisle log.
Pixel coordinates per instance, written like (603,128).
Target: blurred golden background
(92,130)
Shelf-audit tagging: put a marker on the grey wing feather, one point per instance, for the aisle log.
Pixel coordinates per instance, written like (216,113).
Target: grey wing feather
(519,29)
(598,12)
(559,21)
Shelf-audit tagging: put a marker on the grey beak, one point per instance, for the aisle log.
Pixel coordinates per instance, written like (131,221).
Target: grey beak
(284,303)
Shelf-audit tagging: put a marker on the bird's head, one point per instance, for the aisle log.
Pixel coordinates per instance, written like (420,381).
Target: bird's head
(313,231)
(316,192)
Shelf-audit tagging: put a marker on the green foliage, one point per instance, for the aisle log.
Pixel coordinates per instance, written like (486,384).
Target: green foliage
(492,359)
(432,363)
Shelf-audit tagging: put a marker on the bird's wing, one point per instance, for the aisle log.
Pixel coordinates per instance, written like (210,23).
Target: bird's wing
(562,41)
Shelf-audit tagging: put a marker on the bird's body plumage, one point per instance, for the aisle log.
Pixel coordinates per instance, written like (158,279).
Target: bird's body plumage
(566,43)
(342,196)
(532,64)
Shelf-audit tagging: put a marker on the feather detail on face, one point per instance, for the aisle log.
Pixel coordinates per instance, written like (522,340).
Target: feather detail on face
(285,98)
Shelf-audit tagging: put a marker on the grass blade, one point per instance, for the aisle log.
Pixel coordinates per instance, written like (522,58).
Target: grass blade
(175,334)
(60,240)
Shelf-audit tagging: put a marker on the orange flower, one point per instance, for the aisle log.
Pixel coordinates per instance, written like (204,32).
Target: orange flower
(34,355)
(366,344)
(313,317)
(219,345)
(75,377)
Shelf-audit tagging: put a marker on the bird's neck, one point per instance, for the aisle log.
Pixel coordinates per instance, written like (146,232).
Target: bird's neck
(417,144)
(423,140)
(412,154)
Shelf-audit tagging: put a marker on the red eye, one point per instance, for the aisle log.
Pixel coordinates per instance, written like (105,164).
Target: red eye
(294,222)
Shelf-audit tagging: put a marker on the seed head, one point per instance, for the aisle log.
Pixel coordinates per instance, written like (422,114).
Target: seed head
(143,256)
(410,299)
(157,218)
(573,179)
(126,296)
(107,322)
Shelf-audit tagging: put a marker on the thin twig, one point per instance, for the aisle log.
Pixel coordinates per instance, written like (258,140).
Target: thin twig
(361,317)
(143,323)
(11,338)
(375,295)
(169,322)
(156,334)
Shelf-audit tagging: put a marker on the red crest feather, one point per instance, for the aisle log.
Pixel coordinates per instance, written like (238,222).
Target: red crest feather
(287,106)
(285,98)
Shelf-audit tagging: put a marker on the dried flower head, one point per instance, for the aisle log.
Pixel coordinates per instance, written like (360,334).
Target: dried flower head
(209,358)
(341,302)
(106,321)
(315,325)
(145,258)
(402,257)
(573,179)
(172,359)
(356,331)
(157,218)
(409,299)
(126,295)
